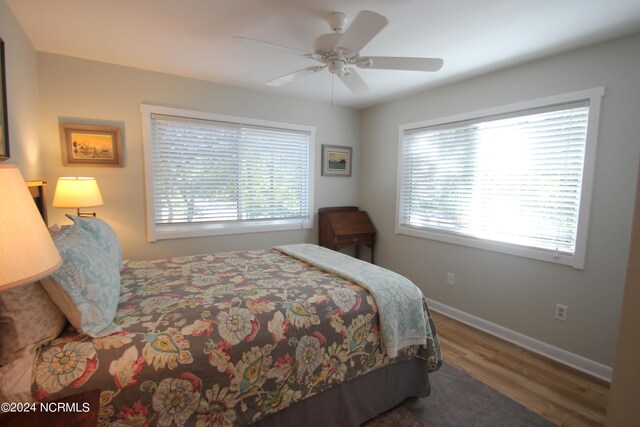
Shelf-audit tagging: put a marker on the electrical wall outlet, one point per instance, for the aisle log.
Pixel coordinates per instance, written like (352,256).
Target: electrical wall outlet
(451,279)
(562,312)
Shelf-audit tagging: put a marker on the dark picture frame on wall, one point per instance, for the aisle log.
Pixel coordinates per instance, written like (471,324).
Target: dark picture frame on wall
(4,117)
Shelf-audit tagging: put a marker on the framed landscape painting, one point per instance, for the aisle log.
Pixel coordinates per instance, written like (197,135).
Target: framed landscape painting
(90,145)
(336,160)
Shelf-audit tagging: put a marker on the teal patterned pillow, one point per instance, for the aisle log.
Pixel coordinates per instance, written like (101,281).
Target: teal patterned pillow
(87,285)
(103,234)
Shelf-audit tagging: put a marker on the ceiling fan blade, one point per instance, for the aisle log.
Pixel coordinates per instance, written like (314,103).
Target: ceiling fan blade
(400,63)
(292,76)
(364,28)
(353,81)
(273,46)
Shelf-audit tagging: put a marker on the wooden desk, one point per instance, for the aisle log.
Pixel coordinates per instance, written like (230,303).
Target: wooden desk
(346,226)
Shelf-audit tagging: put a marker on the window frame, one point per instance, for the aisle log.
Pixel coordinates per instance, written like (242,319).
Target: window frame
(200,229)
(578,258)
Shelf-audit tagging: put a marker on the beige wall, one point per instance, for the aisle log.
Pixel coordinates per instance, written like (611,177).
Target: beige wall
(22,95)
(518,293)
(82,91)
(513,292)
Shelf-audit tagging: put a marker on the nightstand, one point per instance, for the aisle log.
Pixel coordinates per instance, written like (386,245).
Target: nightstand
(37,191)
(344,226)
(76,417)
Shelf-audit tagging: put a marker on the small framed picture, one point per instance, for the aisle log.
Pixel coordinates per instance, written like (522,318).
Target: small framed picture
(90,145)
(336,160)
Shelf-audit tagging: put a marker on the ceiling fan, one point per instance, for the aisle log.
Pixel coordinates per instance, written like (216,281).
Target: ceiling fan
(339,50)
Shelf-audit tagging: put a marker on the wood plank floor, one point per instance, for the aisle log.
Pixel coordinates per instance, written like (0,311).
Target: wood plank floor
(561,394)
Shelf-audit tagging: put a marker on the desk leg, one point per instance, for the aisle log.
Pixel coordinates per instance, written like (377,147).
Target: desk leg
(358,251)
(372,254)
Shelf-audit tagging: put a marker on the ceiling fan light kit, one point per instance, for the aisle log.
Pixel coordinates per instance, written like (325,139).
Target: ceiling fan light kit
(364,62)
(338,50)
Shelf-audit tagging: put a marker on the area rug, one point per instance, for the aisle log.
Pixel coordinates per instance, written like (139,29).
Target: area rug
(459,400)
(397,417)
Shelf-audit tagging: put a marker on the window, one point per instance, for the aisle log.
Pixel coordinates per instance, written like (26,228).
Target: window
(209,174)
(515,179)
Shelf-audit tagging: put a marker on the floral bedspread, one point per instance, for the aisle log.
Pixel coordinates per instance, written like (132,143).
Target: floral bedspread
(222,339)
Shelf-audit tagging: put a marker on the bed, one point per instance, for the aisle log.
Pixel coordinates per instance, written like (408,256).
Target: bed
(291,335)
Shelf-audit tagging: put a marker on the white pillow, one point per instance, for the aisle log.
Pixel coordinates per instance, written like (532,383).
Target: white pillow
(16,377)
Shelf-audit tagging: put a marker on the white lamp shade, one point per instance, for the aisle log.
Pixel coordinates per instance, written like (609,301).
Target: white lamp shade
(77,192)
(27,252)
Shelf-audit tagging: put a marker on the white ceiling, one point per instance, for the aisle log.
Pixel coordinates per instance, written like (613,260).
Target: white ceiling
(192,38)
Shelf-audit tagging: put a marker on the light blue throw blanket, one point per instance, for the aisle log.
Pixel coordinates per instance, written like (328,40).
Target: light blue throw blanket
(403,320)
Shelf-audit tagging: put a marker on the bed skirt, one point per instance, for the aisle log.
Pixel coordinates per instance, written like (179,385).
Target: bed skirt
(358,400)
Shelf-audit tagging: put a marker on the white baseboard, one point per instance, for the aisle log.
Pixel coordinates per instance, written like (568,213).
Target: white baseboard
(580,363)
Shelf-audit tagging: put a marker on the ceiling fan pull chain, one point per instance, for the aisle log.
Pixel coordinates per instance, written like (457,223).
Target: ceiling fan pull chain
(333,76)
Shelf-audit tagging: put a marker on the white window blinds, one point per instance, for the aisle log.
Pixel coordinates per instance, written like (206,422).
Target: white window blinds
(223,174)
(514,178)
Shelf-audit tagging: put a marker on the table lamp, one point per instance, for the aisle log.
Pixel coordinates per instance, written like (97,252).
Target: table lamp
(77,192)
(27,252)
